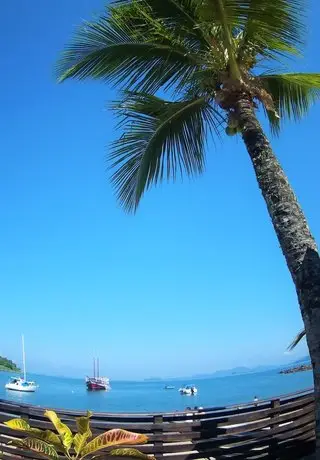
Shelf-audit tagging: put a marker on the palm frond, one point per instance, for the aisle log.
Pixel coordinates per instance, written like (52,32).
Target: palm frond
(292,94)
(178,15)
(144,58)
(161,140)
(211,11)
(297,340)
(271,27)
(223,16)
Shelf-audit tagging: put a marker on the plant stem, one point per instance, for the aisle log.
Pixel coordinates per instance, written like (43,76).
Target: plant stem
(228,43)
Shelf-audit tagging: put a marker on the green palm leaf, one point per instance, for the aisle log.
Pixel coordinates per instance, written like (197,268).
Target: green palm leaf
(182,16)
(161,139)
(143,57)
(271,27)
(292,93)
(205,52)
(215,12)
(225,15)
(297,340)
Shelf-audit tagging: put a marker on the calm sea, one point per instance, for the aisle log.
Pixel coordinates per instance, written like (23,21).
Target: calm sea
(69,393)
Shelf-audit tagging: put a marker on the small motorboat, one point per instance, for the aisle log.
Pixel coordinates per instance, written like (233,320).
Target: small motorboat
(188,390)
(19,383)
(169,387)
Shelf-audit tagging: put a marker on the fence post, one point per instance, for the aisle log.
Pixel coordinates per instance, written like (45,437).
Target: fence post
(158,430)
(274,423)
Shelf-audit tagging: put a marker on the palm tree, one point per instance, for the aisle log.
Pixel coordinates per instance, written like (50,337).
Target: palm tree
(218,62)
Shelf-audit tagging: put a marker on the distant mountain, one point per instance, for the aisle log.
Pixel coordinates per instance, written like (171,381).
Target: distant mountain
(224,372)
(305,359)
(240,370)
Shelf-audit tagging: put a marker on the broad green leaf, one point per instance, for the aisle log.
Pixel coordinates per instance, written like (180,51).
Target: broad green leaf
(79,442)
(111,438)
(84,432)
(18,424)
(45,435)
(62,429)
(83,424)
(130,452)
(39,446)
(50,437)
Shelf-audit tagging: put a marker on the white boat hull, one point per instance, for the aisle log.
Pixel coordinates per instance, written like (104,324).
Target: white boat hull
(188,391)
(185,392)
(19,387)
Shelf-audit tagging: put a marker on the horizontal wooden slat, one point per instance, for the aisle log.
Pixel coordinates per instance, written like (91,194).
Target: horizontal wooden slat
(299,402)
(231,444)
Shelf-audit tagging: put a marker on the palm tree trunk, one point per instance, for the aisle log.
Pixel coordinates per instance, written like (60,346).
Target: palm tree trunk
(296,241)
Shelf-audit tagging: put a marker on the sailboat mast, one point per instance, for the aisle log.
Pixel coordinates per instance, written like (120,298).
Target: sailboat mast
(94,368)
(98,370)
(24,359)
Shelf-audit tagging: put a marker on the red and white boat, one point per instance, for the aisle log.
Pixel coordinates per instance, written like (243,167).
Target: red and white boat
(96,382)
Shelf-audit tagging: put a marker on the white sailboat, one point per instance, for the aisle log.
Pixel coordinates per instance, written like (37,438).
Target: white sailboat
(21,384)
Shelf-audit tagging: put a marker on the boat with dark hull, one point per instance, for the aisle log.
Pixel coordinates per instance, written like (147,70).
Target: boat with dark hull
(97,383)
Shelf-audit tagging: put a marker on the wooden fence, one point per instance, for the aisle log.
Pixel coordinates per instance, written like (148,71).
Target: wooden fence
(280,428)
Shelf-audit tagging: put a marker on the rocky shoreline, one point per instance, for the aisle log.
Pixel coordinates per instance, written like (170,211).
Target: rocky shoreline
(293,370)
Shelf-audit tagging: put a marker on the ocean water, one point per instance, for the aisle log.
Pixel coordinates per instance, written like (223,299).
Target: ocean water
(68,393)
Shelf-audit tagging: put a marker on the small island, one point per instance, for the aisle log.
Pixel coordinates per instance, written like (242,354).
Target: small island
(293,370)
(6,365)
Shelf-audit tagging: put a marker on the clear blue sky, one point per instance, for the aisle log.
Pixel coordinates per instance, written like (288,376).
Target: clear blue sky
(193,283)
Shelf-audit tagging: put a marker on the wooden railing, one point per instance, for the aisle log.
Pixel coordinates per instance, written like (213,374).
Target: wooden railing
(280,428)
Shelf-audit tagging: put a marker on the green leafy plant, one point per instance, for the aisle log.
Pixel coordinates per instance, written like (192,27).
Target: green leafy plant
(76,446)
